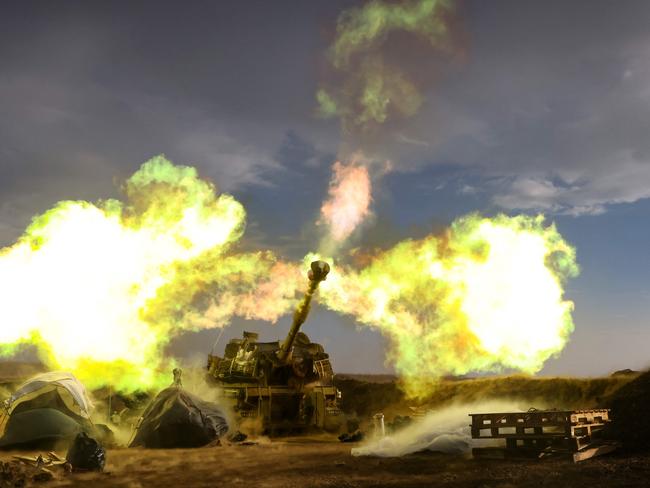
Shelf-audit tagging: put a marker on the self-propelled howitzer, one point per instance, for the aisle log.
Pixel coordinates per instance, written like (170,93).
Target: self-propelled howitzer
(288,386)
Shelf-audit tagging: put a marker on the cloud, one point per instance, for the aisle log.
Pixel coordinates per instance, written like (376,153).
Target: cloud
(551,107)
(466,189)
(555,123)
(626,180)
(62,141)
(409,140)
(88,95)
(230,161)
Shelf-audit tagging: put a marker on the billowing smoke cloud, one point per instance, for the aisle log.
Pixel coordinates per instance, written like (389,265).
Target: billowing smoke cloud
(100,288)
(371,88)
(348,204)
(485,296)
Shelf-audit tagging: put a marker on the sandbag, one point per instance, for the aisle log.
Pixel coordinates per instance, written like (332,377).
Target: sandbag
(176,418)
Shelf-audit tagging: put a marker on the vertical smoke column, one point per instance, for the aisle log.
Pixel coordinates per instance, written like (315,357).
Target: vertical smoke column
(373,88)
(347,206)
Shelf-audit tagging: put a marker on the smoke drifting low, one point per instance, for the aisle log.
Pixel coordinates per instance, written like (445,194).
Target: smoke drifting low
(446,430)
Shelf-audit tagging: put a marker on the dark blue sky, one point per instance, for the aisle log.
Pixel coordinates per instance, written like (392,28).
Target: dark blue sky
(547,109)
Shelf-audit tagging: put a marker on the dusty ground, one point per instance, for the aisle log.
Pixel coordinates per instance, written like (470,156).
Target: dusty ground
(315,463)
(329,464)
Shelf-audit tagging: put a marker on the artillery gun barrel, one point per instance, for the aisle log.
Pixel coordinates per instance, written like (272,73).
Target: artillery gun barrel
(317,273)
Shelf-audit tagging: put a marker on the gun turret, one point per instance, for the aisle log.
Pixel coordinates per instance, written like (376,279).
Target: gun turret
(287,384)
(317,273)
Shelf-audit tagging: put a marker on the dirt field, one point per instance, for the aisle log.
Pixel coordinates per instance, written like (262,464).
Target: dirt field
(329,464)
(317,462)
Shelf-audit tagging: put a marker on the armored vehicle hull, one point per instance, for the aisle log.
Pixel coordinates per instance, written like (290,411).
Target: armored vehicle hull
(281,387)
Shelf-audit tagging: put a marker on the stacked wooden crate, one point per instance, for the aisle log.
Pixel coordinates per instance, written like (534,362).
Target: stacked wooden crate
(537,433)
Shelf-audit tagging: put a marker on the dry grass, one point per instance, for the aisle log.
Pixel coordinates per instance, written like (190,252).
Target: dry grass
(365,398)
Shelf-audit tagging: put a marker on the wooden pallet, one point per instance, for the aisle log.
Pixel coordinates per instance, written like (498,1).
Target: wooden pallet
(537,433)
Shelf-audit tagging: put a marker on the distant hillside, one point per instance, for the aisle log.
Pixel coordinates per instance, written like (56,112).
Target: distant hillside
(630,406)
(367,397)
(368,378)
(18,371)
(367,394)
